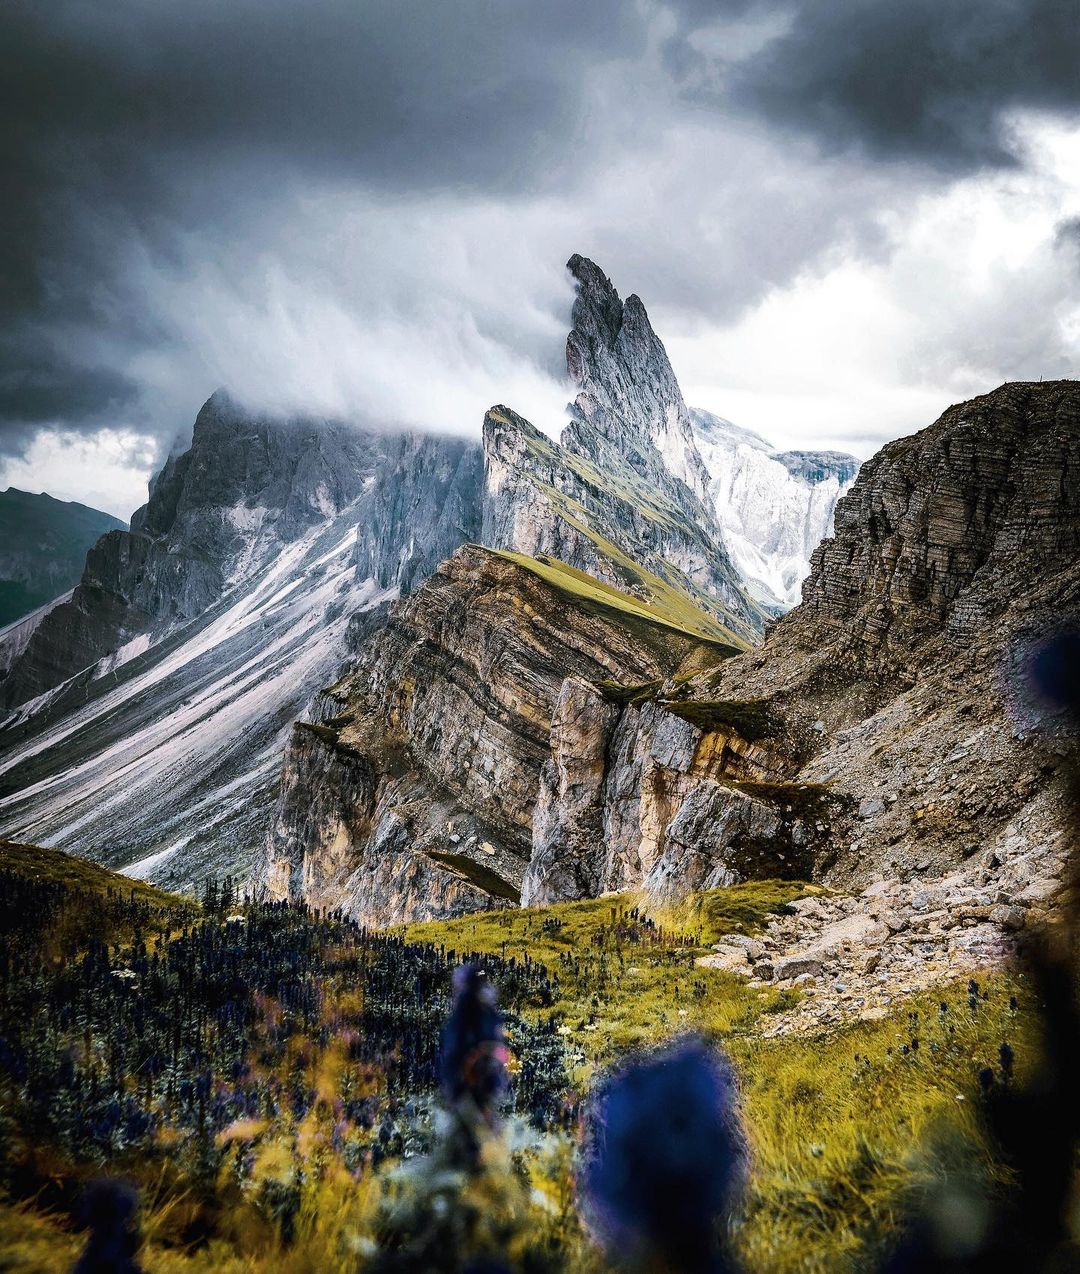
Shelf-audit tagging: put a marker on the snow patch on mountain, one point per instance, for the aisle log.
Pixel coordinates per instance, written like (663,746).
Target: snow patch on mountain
(176,743)
(774,508)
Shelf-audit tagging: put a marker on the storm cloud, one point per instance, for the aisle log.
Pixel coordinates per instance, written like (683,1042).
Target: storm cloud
(933,81)
(363,209)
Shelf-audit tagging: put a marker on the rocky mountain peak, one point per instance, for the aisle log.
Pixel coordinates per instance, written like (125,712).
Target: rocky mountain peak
(295,470)
(774,507)
(478,752)
(627,390)
(619,495)
(597,307)
(590,507)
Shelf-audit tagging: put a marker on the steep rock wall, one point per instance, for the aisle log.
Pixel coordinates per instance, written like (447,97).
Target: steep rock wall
(489,710)
(878,730)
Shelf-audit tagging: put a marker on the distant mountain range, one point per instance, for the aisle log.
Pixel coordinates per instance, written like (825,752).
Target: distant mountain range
(43,546)
(774,507)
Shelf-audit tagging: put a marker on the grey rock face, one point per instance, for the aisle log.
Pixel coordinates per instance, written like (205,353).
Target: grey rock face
(603,518)
(568,822)
(720,836)
(425,502)
(167,686)
(774,507)
(627,391)
(485,676)
(940,527)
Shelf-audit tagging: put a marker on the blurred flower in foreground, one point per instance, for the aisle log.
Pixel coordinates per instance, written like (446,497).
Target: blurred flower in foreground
(473,1053)
(472,1065)
(1045,676)
(664,1155)
(108,1208)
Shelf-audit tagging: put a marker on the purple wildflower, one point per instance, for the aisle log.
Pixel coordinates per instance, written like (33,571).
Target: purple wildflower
(664,1156)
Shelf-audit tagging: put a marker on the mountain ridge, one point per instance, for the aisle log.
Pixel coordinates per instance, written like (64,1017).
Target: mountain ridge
(43,546)
(773,507)
(775,761)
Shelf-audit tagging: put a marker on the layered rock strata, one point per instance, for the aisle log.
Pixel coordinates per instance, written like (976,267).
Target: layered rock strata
(877,732)
(503,739)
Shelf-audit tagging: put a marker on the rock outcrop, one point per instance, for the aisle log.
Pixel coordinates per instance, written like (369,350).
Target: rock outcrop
(627,391)
(425,501)
(440,734)
(955,549)
(605,519)
(860,955)
(873,735)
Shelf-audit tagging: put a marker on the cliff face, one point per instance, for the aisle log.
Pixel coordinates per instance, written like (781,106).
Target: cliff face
(519,716)
(627,391)
(774,507)
(445,725)
(502,739)
(247,486)
(949,529)
(955,548)
(425,501)
(602,517)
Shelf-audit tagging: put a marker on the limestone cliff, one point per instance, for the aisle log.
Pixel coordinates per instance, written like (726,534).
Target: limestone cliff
(955,548)
(425,501)
(625,487)
(247,486)
(428,754)
(774,507)
(521,729)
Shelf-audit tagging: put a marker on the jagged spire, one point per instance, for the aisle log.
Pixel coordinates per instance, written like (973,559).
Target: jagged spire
(628,392)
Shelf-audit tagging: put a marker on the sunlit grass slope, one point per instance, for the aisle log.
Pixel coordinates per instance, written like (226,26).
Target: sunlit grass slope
(668,608)
(844,1128)
(53,866)
(625,978)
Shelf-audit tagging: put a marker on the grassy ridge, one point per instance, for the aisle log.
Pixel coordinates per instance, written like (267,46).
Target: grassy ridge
(53,866)
(670,610)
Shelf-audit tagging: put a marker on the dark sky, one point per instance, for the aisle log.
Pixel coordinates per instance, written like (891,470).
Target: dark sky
(842,216)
